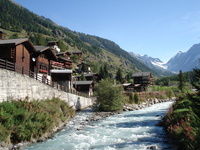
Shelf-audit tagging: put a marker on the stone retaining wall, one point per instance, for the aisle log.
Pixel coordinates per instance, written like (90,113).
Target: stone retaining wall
(16,86)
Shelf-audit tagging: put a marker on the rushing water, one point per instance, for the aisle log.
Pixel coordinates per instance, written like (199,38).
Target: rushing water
(133,130)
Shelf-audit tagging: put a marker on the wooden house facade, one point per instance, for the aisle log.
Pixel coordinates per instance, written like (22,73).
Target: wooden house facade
(84,87)
(89,77)
(83,67)
(77,53)
(54,46)
(65,55)
(18,51)
(42,63)
(142,80)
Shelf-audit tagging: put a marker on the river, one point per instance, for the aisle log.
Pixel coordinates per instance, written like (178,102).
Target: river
(133,130)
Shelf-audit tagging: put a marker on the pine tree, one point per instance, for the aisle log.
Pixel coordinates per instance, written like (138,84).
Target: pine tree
(84,67)
(106,74)
(196,84)
(181,80)
(119,76)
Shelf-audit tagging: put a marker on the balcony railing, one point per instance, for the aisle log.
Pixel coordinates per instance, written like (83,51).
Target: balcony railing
(4,64)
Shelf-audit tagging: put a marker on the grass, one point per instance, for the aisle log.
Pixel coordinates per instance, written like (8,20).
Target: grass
(23,120)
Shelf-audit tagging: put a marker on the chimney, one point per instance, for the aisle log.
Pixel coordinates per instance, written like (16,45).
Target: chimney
(2,35)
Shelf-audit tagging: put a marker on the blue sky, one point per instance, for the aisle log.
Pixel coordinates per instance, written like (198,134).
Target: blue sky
(158,28)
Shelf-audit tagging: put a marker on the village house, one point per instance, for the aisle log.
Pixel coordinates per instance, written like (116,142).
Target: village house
(77,53)
(42,63)
(83,67)
(18,51)
(142,80)
(84,87)
(89,77)
(129,87)
(65,55)
(54,46)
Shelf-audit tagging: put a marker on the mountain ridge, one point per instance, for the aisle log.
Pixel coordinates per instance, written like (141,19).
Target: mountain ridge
(185,61)
(19,22)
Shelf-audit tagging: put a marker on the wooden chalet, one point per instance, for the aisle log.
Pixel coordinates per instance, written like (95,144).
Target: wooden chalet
(84,87)
(42,62)
(129,87)
(90,77)
(67,64)
(18,51)
(65,55)
(77,53)
(142,80)
(54,46)
(63,77)
(83,67)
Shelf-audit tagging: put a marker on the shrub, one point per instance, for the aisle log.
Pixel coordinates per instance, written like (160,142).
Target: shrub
(182,122)
(136,98)
(23,120)
(131,98)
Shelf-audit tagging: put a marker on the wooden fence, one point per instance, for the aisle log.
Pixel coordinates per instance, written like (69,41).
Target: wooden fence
(4,64)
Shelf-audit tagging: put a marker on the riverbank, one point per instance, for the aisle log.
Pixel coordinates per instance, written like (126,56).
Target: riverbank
(148,103)
(95,116)
(24,122)
(128,130)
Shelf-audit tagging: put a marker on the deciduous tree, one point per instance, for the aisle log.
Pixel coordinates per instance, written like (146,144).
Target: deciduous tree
(109,97)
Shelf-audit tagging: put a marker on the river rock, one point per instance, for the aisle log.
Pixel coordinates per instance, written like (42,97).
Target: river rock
(152,147)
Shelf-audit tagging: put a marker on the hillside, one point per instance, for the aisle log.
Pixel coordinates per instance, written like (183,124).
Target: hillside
(19,22)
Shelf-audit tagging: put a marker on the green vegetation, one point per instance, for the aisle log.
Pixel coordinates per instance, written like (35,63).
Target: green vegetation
(22,120)
(181,80)
(19,22)
(173,80)
(119,77)
(104,71)
(109,96)
(182,122)
(136,98)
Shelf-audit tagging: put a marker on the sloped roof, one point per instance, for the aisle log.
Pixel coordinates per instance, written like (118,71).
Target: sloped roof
(41,48)
(60,53)
(16,42)
(141,74)
(75,52)
(64,59)
(83,82)
(88,75)
(13,41)
(1,31)
(47,50)
(127,84)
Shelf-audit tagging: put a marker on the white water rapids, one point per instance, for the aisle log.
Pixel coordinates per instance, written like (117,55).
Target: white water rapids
(133,130)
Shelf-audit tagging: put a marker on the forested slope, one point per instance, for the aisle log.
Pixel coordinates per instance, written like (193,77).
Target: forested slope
(19,22)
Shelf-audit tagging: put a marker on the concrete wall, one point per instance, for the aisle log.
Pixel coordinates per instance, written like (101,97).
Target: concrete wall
(16,86)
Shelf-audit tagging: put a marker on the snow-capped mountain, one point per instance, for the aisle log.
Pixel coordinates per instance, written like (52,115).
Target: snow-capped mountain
(154,63)
(185,61)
